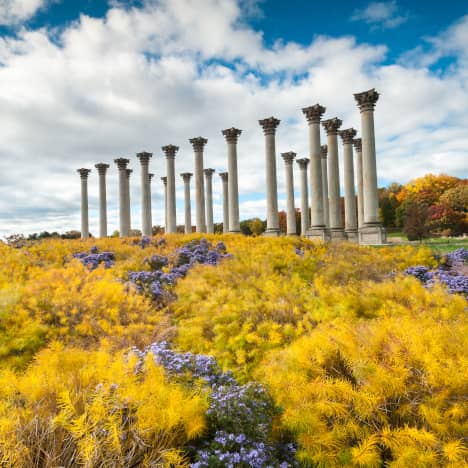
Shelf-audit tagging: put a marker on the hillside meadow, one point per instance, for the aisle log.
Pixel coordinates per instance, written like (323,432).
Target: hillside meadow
(231,351)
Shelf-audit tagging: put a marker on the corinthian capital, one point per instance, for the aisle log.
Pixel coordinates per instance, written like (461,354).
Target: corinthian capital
(324,151)
(288,157)
(144,157)
(358,144)
(83,172)
(128,172)
(164,180)
(121,163)
(269,125)
(348,135)
(170,151)
(302,163)
(314,113)
(367,99)
(208,172)
(198,143)
(331,126)
(186,176)
(150,176)
(231,134)
(102,168)
(224,176)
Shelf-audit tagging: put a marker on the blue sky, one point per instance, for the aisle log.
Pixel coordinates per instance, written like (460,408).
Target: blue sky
(91,80)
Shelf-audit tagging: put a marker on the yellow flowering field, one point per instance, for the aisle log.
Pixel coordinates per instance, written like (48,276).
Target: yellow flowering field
(230,351)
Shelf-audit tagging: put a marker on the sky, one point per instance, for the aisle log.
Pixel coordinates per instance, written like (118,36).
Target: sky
(88,81)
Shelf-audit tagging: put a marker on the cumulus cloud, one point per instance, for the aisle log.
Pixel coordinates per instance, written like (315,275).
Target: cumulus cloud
(385,15)
(13,12)
(161,73)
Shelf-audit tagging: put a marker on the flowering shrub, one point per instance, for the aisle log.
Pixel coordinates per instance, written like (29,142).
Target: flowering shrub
(93,259)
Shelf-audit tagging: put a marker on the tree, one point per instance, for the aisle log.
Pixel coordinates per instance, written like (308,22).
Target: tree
(416,220)
(257,226)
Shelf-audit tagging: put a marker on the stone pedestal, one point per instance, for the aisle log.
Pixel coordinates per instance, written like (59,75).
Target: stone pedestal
(102,170)
(305,221)
(146,221)
(269,126)
(232,135)
(372,234)
(288,158)
(209,200)
(170,152)
(225,178)
(186,176)
(198,145)
(124,213)
(84,202)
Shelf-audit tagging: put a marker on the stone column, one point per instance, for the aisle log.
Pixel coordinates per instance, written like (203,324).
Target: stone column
(170,151)
(144,158)
(198,146)
(350,196)
(326,210)
(317,219)
(305,223)
(372,231)
(188,211)
(288,158)
(232,135)
(128,173)
(209,200)
(164,181)
(102,169)
(336,223)
(84,202)
(150,178)
(269,126)
(124,215)
(225,178)
(360,196)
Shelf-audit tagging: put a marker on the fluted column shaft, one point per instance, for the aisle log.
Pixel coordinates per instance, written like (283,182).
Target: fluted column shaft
(164,181)
(209,200)
(304,195)
(144,158)
(102,169)
(124,214)
(200,218)
(84,202)
(225,178)
(170,151)
(188,211)
(290,208)
(331,126)
(269,128)
(128,173)
(150,178)
(326,210)
(348,171)
(232,135)
(360,193)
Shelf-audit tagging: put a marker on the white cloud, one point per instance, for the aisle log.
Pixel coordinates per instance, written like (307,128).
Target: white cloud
(385,15)
(141,78)
(13,12)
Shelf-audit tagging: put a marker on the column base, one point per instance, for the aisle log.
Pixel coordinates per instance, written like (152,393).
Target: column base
(372,234)
(318,233)
(352,235)
(337,234)
(237,231)
(272,232)
(292,234)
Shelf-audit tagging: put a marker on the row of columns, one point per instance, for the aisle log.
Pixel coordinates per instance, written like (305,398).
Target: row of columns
(325,221)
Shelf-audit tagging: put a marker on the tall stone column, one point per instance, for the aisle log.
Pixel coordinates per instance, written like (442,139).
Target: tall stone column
(209,200)
(198,146)
(164,181)
(84,202)
(150,178)
(188,211)
(317,219)
(326,209)
(128,173)
(288,158)
(336,223)
(102,169)
(372,231)
(232,135)
(360,194)
(144,158)
(225,178)
(350,197)
(124,214)
(170,151)
(269,126)
(305,223)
